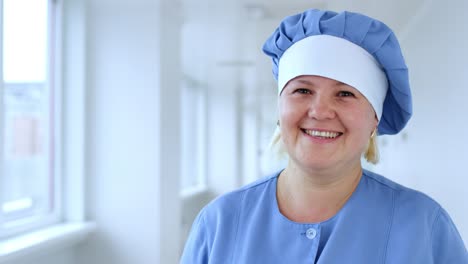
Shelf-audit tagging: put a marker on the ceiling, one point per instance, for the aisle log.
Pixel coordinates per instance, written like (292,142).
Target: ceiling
(396,13)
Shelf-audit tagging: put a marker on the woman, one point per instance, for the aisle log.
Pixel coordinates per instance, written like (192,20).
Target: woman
(341,80)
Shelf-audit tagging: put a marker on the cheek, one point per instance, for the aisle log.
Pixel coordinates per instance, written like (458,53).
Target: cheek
(289,115)
(372,119)
(291,110)
(285,111)
(364,119)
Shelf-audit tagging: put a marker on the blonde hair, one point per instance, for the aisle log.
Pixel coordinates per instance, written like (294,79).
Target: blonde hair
(276,145)
(371,154)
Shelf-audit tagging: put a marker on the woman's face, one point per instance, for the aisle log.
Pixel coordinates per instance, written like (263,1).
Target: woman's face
(324,123)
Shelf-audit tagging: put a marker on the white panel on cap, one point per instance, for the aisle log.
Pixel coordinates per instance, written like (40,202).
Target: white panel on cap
(337,59)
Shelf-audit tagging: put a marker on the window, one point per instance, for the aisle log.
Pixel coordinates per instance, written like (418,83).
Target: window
(29,134)
(193,132)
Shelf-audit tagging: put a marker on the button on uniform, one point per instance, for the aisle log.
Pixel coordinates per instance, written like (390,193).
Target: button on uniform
(311,233)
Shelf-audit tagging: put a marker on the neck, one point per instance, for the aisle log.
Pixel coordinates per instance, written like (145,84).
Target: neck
(315,196)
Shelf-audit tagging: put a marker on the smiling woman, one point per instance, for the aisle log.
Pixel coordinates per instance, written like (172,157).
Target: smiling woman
(342,80)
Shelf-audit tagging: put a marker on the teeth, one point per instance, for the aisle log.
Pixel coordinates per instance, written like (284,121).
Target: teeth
(324,134)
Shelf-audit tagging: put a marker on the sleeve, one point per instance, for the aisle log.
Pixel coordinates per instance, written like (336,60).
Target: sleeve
(196,249)
(447,244)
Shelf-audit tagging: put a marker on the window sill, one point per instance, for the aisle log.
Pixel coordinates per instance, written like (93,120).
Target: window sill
(44,240)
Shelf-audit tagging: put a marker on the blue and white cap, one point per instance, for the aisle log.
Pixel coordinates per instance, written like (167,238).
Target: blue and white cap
(348,47)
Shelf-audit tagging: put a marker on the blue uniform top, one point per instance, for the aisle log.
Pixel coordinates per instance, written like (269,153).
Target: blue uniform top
(382,222)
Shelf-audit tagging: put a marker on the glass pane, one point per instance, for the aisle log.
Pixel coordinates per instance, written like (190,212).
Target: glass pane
(25,40)
(27,179)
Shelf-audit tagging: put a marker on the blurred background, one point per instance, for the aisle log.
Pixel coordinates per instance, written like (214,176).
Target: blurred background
(121,119)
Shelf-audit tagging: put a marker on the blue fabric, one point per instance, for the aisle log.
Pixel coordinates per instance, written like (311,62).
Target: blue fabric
(372,35)
(382,222)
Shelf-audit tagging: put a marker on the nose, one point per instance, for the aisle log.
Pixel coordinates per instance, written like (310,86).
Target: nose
(321,108)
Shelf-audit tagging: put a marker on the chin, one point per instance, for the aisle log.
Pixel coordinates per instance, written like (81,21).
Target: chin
(315,164)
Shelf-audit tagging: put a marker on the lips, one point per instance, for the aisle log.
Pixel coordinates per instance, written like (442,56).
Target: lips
(322,134)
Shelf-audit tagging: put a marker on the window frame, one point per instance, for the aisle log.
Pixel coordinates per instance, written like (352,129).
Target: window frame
(28,223)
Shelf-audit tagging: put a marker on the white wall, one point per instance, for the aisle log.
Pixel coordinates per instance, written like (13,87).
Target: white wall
(433,157)
(133,150)
(122,89)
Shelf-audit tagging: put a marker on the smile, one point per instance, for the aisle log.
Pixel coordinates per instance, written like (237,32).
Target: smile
(322,134)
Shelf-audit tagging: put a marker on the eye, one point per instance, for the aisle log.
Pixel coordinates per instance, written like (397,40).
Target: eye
(345,94)
(302,91)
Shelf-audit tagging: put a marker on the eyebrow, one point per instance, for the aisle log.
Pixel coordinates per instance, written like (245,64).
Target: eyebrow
(306,82)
